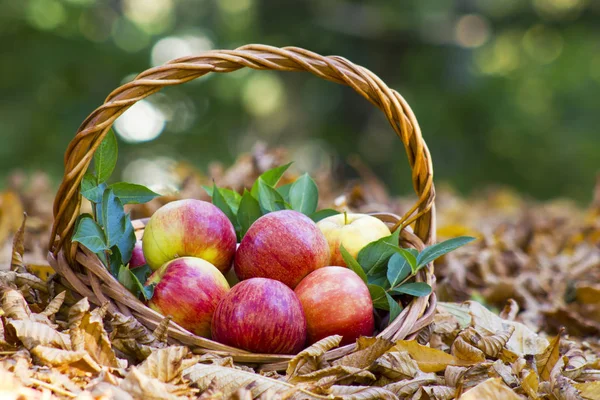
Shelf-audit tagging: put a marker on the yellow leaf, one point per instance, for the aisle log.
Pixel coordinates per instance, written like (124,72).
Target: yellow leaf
(312,353)
(546,361)
(11,214)
(408,387)
(90,336)
(56,357)
(587,294)
(229,380)
(464,350)
(589,390)
(167,364)
(491,389)
(367,351)
(428,359)
(53,307)
(453,376)
(531,384)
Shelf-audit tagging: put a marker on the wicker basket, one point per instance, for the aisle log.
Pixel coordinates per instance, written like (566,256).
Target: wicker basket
(83,272)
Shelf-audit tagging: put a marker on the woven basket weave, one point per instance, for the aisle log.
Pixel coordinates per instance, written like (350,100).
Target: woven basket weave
(83,272)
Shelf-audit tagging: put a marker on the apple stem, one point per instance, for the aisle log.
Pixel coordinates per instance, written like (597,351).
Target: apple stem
(345,218)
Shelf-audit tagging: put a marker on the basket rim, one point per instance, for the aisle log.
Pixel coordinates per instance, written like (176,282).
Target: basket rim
(82,272)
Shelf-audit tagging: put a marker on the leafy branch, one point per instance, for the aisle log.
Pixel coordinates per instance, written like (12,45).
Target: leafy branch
(265,196)
(108,231)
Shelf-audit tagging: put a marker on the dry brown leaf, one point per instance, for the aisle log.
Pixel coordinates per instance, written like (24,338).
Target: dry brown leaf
(89,335)
(161,332)
(587,294)
(563,389)
(408,387)
(14,305)
(77,311)
(589,390)
(491,345)
(396,365)
(453,376)
(16,263)
(229,380)
(167,364)
(141,386)
(491,389)
(464,350)
(311,354)
(428,359)
(362,393)
(104,390)
(129,328)
(340,374)
(32,334)
(531,384)
(367,351)
(53,307)
(545,361)
(51,356)
(439,392)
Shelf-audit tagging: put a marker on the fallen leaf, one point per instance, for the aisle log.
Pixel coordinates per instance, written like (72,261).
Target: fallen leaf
(54,305)
(52,356)
(546,360)
(89,335)
(575,364)
(141,386)
(14,305)
(428,359)
(362,393)
(439,392)
(589,390)
(311,354)
(492,389)
(408,387)
(167,364)
(465,351)
(396,365)
(530,384)
(16,263)
(341,374)
(367,351)
(32,334)
(505,372)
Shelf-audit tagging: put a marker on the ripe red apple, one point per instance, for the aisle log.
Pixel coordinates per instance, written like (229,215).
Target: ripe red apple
(336,302)
(137,256)
(354,231)
(260,315)
(188,289)
(191,228)
(283,245)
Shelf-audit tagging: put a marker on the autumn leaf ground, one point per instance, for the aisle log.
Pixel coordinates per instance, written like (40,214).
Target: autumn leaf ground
(519,312)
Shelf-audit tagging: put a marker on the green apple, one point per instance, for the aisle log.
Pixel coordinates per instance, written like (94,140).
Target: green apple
(353,231)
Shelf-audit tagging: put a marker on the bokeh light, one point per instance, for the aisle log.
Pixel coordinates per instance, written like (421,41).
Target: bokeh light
(543,44)
(46,14)
(501,56)
(157,173)
(263,94)
(472,30)
(172,47)
(140,123)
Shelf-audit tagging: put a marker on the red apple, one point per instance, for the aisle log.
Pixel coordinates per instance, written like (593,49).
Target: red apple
(336,302)
(262,316)
(282,245)
(137,256)
(354,231)
(188,289)
(191,228)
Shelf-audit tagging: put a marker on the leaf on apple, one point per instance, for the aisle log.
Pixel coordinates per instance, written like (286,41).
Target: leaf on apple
(416,289)
(304,195)
(130,193)
(321,214)
(248,212)
(90,234)
(437,250)
(374,256)
(395,308)
(90,188)
(105,158)
(398,269)
(353,264)
(219,200)
(269,199)
(270,177)
(379,297)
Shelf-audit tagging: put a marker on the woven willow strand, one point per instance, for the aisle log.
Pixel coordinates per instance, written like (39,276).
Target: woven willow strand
(336,69)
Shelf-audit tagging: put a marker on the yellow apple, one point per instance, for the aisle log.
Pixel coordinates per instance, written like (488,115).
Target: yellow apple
(353,231)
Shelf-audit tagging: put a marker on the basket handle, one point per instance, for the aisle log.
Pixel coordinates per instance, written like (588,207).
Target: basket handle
(80,151)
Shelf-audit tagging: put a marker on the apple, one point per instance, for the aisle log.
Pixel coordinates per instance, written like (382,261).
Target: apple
(188,289)
(193,228)
(336,302)
(283,245)
(353,231)
(137,256)
(262,316)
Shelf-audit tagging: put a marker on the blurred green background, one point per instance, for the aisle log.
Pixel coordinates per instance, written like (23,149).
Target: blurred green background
(506,91)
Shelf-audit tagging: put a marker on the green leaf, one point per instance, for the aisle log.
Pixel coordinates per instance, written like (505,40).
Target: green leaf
(115,261)
(142,272)
(408,255)
(232,197)
(395,308)
(321,214)
(130,193)
(105,158)
(219,201)
(248,212)
(269,199)
(304,195)
(126,242)
(148,291)
(353,264)
(284,191)
(379,297)
(91,190)
(379,279)
(90,234)
(437,250)
(270,177)
(129,280)
(398,269)
(113,220)
(374,256)
(417,289)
